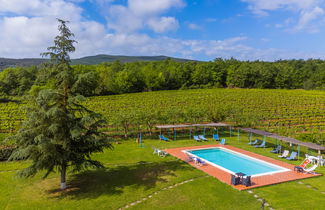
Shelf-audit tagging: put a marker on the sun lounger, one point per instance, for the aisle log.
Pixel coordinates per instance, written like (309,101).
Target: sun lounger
(155,150)
(311,169)
(292,156)
(199,161)
(203,138)
(159,152)
(309,160)
(223,141)
(189,158)
(162,137)
(284,154)
(196,138)
(314,159)
(261,145)
(216,137)
(302,165)
(277,149)
(162,153)
(257,141)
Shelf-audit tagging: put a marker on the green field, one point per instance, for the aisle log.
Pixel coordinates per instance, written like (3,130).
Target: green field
(295,113)
(136,178)
(135,174)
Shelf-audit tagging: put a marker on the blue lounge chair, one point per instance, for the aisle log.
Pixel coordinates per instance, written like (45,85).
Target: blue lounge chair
(292,156)
(216,137)
(162,137)
(190,158)
(203,138)
(199,161)
(257,141)
(261,145)
(223,141)
(196,138)
(277,149)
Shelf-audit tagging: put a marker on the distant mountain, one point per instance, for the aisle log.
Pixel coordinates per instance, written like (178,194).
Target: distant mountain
(10,62)
(124,59)
(97,59)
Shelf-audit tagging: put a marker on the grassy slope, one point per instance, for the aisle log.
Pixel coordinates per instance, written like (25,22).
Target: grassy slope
(133,173)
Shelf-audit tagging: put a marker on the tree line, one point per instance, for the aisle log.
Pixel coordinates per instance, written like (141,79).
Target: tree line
(118,78)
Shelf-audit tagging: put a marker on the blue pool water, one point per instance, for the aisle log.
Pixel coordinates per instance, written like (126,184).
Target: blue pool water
(235,162)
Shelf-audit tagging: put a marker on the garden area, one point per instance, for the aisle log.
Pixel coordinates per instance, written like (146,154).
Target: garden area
(135,177)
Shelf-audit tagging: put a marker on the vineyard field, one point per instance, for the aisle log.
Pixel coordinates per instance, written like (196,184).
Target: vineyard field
(295,113)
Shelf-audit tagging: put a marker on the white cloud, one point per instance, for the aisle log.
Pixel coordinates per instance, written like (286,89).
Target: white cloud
(122,20)
(22,36)
(27,37)
(265,40)
(262,6)
(310,12)
(28,28)
(139,14)
(163,24)
(308,16)
(154,7)
(41,8)
(141,44)
(236,47)
(77,1)
(193,26)
(285,24)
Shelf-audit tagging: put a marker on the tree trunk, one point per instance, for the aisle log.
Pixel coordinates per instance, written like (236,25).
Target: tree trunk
(126,129)
(63,177)
(150,128)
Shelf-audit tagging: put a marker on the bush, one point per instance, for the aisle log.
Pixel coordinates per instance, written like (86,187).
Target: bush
(5,152)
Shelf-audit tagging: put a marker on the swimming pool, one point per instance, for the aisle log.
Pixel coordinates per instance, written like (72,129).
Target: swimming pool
(233,162)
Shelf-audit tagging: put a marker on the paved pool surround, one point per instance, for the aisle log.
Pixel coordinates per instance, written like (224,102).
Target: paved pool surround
(257,181)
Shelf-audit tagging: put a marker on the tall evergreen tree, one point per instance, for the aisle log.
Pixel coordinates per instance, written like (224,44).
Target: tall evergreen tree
(59,132)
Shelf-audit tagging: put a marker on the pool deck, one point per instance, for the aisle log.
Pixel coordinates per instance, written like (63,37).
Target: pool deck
(258,181)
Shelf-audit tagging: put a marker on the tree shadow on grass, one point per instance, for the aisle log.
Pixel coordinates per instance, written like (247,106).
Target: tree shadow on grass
(92,184)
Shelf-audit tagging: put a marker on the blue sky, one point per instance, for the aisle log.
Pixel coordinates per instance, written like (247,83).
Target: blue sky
(203,30)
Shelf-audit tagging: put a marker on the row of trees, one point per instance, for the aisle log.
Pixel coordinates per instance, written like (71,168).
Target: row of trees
(117,78)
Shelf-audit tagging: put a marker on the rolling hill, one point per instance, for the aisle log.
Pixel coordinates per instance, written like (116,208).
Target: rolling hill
(97,59)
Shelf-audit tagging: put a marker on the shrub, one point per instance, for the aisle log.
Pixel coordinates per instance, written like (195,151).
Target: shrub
(5,152)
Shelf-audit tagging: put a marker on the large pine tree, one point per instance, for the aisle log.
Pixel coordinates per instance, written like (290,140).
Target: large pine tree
(59,132)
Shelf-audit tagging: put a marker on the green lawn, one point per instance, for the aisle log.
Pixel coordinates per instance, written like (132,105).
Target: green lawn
(133,173)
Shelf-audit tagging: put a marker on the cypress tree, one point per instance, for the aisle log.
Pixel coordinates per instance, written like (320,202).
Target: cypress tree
(59,132)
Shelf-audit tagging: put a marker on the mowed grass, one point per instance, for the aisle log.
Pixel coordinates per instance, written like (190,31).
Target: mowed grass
(132,173)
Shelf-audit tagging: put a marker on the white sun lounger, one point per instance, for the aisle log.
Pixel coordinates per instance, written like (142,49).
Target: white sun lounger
(284,154)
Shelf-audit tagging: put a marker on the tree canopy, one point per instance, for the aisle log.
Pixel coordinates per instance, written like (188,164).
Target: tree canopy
(59,132)
(117,78)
